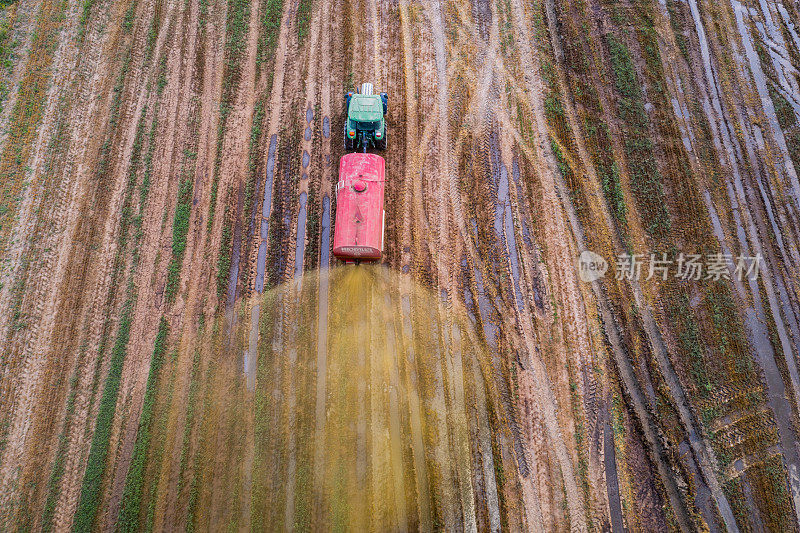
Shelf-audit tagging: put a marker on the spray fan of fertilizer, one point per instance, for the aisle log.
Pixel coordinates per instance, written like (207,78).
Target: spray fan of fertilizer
(367,405)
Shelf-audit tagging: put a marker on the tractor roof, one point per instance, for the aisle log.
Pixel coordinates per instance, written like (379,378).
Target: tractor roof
(366,108)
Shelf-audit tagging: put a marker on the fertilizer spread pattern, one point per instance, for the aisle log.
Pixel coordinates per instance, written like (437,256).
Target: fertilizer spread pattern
(368,412)
(182,349)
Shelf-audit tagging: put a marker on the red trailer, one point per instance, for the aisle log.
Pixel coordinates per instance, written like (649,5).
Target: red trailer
(360,218)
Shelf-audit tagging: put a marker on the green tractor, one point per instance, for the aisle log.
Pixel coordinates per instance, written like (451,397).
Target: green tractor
(365,125)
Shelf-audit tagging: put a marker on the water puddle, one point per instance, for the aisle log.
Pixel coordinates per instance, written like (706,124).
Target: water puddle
(612,479)
(766,101)
(765,354)
(266,212)
(504,229)
(233,274)
(702,498)
(322,346)
(325,234)
(752,508)
(789,25)
(485,310)
(300,246)
(251,354)
(511,242)
(326,127)
(469,301)
(503,217)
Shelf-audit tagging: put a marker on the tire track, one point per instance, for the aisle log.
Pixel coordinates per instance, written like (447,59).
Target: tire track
(277,111)
(109,226)
(171,113)
(77,268)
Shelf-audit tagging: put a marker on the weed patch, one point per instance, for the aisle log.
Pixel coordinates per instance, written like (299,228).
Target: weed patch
(27,113)
(303,19)
(180,228)
(645,176)
(96,463)
(235,32)
(131,499)
(224,260)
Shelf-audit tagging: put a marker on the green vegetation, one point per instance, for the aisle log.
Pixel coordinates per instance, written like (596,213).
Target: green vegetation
(254,154)
(128,519)
(783,109)
(577,49)
(692,348)
(180,228)
(130,14)
(303,19)
(553,109)
(645,176)
(793,145)
(733,491)
(263,427)
(612,189)
(54,483)
(582,469)
(212,209)
(157,458)
(238,14)
(7,56)
(144,187)
(677,25)
(86,13)
(57,473)
(254,157)
(19,320)
(270,30)
(28,110)
(224,260)
(96,463)
(95,470)
(625,78)
(287,164)
(198,471)
(235,32)
(768,481)
(190,415)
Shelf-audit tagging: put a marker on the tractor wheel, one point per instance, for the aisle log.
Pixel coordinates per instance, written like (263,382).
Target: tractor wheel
(349,143)
(385,100)
(380,144)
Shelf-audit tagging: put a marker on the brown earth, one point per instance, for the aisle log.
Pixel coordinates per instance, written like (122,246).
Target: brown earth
(167,162)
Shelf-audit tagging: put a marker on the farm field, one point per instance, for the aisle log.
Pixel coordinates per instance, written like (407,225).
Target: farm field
(180,350)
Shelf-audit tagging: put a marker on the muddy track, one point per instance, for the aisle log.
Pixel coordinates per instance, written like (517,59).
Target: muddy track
(65,257)
(700,448)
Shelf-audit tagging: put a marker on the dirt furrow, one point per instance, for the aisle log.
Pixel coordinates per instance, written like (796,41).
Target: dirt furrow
(45,235)
(750,242)
(75,219)
(176,166)
(168,114)
(85,120)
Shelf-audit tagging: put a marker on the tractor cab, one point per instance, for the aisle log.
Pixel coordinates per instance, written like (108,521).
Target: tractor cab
(365,125)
